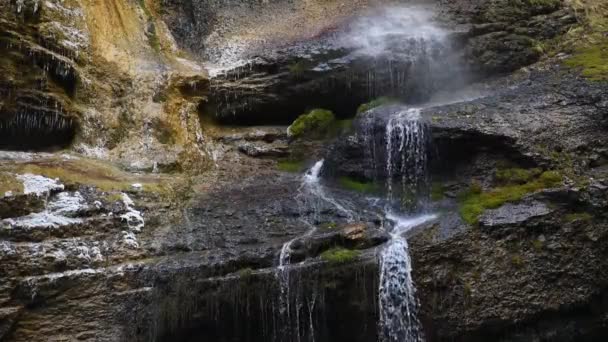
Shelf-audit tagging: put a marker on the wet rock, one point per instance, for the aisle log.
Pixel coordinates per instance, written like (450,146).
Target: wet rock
(352,236)
(338,67)
(263,150)
(512,214)
(505,36)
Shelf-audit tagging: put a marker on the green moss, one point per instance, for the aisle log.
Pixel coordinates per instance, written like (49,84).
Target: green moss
(549,179)
(151,31)
(582,216)
(103,176)
(355,185)
(315,123)
(474,202)
(475,188)
(381,101)
(437,192)
(592,61)
(8,182)
(339,255)
(114,197)
(293,166)
(513,10)
(517,260)
(516,175)
(588,41)
(541,3)
(165,190)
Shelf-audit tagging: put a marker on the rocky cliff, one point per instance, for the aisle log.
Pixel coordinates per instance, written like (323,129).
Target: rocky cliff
(151,190)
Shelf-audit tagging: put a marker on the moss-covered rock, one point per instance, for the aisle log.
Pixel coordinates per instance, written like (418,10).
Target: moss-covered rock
(290,165)
(380,101)
(356,185)
(514,10)
(516,175)
(9,184)
(592,60)
(339,255)
(315,123)
(475,201)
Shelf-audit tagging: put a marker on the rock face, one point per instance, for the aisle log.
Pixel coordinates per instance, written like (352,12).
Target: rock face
(504,260)
(78,72)
(263,73)
(189,232)
(333,62)
(536,279)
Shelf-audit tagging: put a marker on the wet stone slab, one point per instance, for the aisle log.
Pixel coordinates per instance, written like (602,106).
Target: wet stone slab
(512,214)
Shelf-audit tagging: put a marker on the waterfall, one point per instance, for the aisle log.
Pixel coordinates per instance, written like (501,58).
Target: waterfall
(311,196)
(406,139)
(406,154)
(397,295)
(309,193)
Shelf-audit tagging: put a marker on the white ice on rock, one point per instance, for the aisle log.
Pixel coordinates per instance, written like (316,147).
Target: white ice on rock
(89,254)
(134,220)
(93,151)
(129,239)
(38,185)
(68,204)
(132,217)
(7,249)
(58,210)
(44,219)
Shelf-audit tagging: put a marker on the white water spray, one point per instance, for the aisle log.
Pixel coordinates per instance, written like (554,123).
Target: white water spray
(406,152)
(407,139)
(397,294)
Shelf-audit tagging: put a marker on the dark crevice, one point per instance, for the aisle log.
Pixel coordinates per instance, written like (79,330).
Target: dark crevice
(29,131)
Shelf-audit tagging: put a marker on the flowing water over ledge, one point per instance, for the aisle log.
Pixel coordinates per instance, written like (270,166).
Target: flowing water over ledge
(398,321)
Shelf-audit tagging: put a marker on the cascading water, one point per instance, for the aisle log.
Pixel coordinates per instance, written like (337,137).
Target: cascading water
(407,139)
(397,294)
(311,197)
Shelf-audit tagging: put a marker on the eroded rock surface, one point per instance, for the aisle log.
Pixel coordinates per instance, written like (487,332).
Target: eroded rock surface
(182,234)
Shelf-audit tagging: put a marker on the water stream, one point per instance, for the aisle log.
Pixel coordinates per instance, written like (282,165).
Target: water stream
(398,321)
(398,142)
(407,139)
(406,143)
(312,197)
